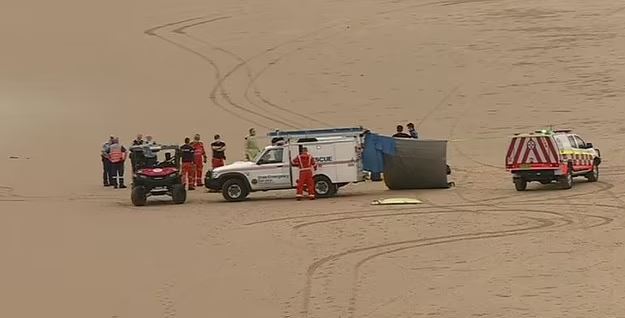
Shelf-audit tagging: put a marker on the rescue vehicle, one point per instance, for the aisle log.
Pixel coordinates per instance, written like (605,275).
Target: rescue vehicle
(551,155)
(338,153)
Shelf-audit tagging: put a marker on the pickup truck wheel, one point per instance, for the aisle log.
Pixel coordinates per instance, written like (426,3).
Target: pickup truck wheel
(566,181)
(520,184)
(234,190)
(324,187)
(593,176)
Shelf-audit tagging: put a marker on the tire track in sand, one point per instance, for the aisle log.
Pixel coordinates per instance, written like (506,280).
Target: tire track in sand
(421,242)
(217,71)
(272,107)
(245,64)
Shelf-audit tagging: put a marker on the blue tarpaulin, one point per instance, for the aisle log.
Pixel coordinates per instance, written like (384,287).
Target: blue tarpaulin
(376,147)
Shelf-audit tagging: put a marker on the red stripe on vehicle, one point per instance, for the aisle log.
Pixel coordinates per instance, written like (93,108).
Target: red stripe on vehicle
(552,147)
(518,152)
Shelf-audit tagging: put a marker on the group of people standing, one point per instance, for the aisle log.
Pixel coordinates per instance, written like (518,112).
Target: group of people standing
(412,132)
(194,157)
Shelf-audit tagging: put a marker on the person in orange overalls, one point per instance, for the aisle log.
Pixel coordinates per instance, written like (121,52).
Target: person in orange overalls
(200,159)
(188,164)
(307,166)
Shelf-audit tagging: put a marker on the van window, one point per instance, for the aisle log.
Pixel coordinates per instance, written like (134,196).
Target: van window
(580,143)
(572,141)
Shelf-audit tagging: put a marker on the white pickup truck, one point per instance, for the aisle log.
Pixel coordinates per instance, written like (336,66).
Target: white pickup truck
(339,159)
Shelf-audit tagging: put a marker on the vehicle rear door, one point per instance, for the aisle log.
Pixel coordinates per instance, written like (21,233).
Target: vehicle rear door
(532,152)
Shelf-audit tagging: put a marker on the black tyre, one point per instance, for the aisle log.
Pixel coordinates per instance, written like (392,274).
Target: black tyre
(138,196)
(178,194)
(324,187)
(234,190)
(520,184)
(566,181)
(593,176)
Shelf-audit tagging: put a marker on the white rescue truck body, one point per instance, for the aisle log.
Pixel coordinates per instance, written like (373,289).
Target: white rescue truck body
(551,155)
(336,151)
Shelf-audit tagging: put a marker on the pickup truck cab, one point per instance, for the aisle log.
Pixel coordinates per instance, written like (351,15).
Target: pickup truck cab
(551,155)
(338,158)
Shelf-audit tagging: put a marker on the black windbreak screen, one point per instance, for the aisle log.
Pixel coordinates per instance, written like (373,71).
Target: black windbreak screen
(417,164)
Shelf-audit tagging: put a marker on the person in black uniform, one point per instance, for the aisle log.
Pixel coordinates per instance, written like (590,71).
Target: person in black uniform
(188,164)
(400,132)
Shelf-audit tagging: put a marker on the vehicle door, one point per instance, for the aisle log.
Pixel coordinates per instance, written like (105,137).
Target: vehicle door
(272,170)
(585,155)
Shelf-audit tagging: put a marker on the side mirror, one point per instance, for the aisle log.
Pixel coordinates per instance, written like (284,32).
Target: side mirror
(589,145)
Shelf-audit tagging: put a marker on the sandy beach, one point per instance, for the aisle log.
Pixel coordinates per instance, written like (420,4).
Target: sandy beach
(472,72)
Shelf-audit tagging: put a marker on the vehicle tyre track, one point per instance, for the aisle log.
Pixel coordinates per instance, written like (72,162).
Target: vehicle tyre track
(312,269)
(218,78)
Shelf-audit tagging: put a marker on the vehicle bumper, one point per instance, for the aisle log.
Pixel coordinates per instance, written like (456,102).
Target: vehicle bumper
(150,183)
(212,183)
(537,175)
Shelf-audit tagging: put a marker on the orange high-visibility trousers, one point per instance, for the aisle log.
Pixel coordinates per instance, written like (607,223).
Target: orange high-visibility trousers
(306,179)
(199,167)
(188,174)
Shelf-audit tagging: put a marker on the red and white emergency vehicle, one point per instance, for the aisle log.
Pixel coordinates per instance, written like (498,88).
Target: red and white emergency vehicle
(551,155)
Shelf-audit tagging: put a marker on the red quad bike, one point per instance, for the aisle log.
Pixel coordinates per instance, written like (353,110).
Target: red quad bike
(152,177)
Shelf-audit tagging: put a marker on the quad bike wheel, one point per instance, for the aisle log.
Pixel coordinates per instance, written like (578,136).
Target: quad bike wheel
(178,194)
(138,196)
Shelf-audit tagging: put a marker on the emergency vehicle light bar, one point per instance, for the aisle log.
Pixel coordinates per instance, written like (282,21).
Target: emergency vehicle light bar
(312,133)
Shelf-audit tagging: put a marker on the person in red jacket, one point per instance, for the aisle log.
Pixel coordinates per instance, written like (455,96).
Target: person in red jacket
(307,166)
(188,164)
(200,159)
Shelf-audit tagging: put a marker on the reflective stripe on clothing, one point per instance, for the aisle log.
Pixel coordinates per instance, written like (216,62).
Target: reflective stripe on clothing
(116,153)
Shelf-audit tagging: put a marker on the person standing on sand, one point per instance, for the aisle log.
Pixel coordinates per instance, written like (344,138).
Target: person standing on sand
(307,166)
(400,132)
(188,164)
(413,132)
(200,159)
(219,152)
(117,156)
(251,146)
(106,162)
